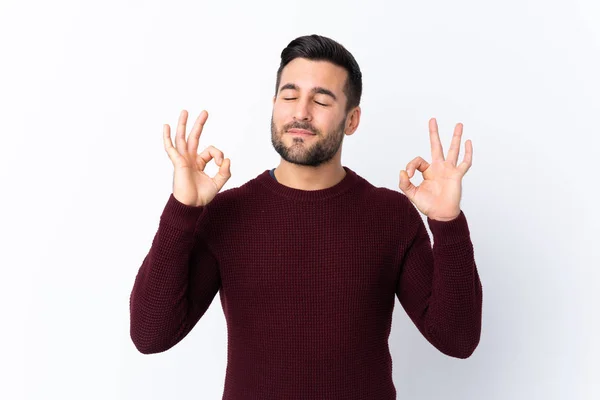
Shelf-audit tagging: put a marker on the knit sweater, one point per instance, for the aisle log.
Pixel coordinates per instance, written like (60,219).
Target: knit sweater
(307,281)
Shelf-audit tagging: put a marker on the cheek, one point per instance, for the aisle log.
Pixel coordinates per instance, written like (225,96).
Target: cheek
(282,116)
(282,112)
(278,124)
(327,123)
(277,114)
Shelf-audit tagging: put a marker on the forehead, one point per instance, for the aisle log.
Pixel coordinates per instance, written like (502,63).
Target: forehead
(308,73)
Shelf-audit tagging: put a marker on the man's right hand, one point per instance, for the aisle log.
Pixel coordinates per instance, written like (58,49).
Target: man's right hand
(191,186)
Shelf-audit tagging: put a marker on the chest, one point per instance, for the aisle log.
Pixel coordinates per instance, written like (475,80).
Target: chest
(308,263)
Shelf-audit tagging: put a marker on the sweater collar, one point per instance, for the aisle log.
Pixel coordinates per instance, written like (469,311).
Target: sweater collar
(349,180)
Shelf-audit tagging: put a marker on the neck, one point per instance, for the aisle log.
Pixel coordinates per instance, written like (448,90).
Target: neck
(309,178)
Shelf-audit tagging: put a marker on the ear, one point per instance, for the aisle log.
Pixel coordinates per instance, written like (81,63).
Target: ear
(353,121)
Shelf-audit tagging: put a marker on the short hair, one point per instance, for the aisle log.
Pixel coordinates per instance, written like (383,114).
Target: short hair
(320,48)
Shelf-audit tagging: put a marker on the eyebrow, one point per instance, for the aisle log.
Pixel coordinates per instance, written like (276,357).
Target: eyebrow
(315,90)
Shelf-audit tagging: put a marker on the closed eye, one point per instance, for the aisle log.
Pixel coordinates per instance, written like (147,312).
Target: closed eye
(321,104)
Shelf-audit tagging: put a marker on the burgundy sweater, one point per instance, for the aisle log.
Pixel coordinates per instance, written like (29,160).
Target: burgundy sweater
(307,281)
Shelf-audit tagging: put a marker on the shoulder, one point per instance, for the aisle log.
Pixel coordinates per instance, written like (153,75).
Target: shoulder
(228,200)
(385,196)
(392,204)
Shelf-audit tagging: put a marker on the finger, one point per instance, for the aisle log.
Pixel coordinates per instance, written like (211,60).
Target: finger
(171,151)
(406,185)
(437,152)
(208,154)
(455,144)
(418,163)
(468,158)
(223,174)
(194,139)
(180,135)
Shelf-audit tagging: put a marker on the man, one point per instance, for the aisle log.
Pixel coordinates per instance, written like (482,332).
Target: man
(309,257)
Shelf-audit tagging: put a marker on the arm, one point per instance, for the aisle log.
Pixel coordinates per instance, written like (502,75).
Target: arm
(440,289)
(176,282)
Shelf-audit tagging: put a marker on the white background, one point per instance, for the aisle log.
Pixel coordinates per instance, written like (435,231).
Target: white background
(85,88)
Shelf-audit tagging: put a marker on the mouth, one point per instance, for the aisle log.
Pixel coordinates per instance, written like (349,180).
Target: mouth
(302,132)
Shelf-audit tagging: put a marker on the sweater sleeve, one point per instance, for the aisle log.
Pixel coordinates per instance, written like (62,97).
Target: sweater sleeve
(439,288)
(176,283)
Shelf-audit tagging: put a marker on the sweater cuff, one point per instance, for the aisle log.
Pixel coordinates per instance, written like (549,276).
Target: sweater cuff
(449,232)
(181,216)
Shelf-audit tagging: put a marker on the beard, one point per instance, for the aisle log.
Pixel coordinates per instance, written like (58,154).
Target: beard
(300,152)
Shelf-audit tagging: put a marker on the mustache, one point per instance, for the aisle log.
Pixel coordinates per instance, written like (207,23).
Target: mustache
(300,125)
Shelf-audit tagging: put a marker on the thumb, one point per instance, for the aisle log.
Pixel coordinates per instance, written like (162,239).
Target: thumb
(406,185)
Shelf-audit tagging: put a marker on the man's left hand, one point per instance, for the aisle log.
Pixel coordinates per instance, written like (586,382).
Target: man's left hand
(438,196)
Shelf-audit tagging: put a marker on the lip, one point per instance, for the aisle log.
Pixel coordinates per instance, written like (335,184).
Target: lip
(301,132)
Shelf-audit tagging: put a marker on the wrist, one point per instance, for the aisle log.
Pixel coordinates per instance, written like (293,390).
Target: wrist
(444,219)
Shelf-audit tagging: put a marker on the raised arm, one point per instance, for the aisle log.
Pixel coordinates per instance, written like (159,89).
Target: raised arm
(440,288)
(179,276)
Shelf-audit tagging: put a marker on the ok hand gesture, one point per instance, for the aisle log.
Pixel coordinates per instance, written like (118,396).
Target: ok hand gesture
(191,185)
(438,196)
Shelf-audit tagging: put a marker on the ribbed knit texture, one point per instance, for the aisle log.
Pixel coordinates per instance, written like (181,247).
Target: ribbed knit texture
(307,281)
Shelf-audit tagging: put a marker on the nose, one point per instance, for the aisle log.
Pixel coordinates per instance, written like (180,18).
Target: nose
(302,111)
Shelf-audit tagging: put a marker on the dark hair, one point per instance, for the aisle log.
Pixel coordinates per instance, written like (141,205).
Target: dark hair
(317,48)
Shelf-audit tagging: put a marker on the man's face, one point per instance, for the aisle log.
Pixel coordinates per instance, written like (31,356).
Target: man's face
(310,97)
